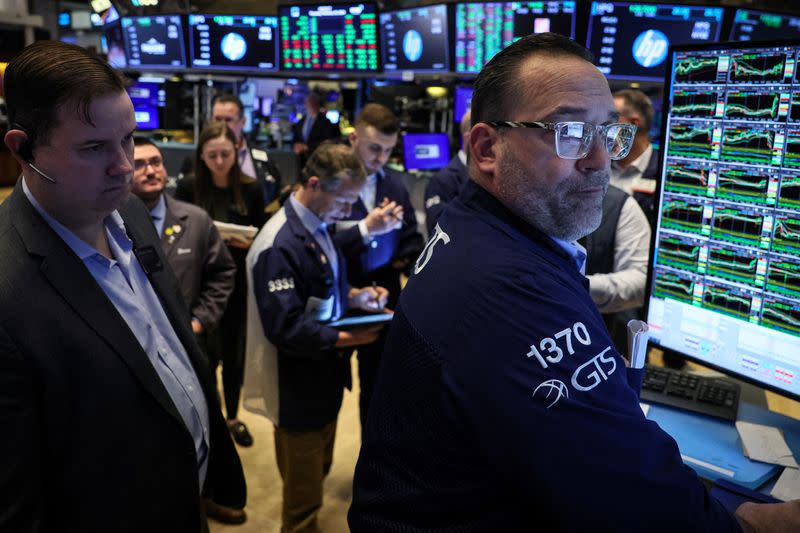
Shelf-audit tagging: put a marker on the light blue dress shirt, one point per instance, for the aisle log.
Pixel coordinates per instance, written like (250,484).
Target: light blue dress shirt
(575,251)
(127,287)
(319,230)
(158,214)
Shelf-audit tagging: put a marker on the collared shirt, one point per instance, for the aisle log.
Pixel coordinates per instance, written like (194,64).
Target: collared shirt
(246,160)
(462,156)
(127,287)
(625,178)
(623,288)
(319,230)
(575,250)
(158,214)
(369,190)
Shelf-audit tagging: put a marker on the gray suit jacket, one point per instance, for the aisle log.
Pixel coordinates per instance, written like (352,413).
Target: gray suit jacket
(91,440)
(201,261)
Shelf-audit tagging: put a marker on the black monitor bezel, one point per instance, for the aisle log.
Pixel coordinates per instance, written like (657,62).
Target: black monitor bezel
(657,199)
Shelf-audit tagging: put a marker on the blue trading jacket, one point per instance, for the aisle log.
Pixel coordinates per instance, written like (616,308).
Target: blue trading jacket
(442,189)
(502,404)
(292,365)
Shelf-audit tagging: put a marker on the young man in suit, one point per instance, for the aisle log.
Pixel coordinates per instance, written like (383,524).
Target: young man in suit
(378,258)
(115,422)
(253,160)
(313,130)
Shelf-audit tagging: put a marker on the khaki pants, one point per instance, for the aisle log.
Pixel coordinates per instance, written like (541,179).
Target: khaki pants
(304,459)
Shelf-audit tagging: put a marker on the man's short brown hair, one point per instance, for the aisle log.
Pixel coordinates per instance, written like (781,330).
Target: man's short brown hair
(328,162)
(379,117)
(48,75)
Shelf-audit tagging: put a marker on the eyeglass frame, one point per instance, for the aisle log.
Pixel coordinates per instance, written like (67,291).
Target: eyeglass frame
(553,126)
(149,162)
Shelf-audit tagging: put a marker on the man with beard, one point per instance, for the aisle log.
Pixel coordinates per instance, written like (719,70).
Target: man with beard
(501,402)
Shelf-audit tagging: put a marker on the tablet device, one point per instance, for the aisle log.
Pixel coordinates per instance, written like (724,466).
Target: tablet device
(351,321)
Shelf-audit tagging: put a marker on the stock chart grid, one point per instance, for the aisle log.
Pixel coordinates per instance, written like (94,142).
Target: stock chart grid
(728,233)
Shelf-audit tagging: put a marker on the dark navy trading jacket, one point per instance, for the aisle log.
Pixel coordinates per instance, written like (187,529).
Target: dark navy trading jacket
(502,404)
(289,279)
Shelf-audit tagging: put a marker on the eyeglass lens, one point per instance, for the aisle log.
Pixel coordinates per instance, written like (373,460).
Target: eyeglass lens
(574,139)
(154,162)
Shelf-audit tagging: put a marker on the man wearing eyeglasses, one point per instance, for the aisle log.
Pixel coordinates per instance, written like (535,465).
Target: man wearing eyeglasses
(501,402)
(194,249)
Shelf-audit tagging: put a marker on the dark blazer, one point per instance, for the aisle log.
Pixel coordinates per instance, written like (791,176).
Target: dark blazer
(321,131)
(442,189)
(373,262)
(267,173)
(201,261)
(91,440)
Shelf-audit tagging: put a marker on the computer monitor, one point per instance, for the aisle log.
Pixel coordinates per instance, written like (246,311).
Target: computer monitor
(484,28)
(154,42)
(724,281)
(146,116)
(463,102)
(329,38)
(425,151)
(630,41)
(415,40)
(116,46)
(233,42)
(751,25)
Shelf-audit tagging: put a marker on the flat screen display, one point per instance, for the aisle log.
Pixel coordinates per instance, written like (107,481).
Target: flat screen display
(116,46)
(415,40)
(484,28)
(724,285)
(154,42)
(463,102)
(630,41)
(233,42)
(146,116)
(749,25)
(426,151)
(329,38)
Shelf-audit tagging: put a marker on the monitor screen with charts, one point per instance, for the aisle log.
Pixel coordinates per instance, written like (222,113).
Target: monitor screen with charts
(630,41)
(484,28)
(154,42)
(426,151)
(233,42)
(415,40)
(329,38)
(749,25)
(724,286)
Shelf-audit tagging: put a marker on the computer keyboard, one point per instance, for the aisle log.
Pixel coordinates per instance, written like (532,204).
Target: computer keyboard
(702,394)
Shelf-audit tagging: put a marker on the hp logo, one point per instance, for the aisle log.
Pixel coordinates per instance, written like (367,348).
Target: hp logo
(412,45)
(650,48)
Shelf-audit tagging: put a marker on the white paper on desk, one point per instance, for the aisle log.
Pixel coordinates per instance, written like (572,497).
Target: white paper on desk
(638,335)
(788,485)
(765,444)
(229,231)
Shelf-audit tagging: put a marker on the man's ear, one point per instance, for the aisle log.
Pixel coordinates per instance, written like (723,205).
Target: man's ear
(313,183)
(482,148)
(19,143)
(352,138)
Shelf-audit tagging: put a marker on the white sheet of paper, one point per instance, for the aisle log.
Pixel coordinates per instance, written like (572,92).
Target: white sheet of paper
(765,444)
(788,485)
(645,408)
(228,231)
